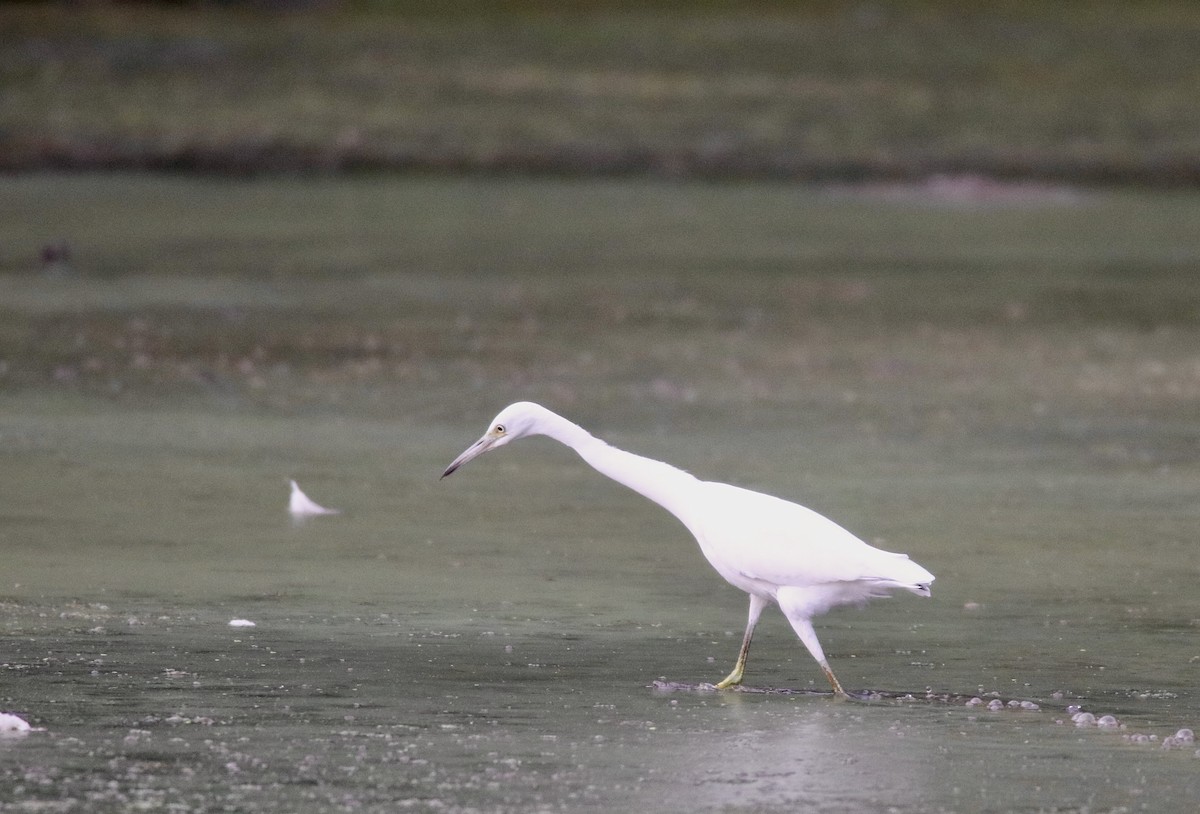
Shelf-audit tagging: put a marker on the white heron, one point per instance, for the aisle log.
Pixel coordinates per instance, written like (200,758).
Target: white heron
(772,549)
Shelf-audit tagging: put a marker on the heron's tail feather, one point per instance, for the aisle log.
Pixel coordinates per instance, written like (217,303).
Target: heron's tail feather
(901,572)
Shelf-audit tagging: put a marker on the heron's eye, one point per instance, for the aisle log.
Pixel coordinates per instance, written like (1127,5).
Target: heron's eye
(499,429)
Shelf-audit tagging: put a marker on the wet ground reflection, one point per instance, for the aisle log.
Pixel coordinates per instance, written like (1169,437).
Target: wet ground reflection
(536,638)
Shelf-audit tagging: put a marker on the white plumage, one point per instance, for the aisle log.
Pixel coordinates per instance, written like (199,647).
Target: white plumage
(772,549)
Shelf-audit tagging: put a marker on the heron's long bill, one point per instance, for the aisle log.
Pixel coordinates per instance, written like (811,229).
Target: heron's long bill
(470,453)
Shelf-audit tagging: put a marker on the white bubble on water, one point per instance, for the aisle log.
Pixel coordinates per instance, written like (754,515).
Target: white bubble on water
(1084,719)
(1185,736)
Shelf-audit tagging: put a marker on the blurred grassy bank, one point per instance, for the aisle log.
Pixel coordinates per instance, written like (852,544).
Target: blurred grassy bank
(1080,91)
(889,310)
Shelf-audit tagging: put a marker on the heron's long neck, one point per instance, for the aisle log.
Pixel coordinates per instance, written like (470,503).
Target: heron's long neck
(658,481)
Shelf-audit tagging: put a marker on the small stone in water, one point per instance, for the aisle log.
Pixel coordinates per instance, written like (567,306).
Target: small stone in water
(1029,705)
(1084,719)
(1185,736)
(975,702)
(1107,722)
(995,705)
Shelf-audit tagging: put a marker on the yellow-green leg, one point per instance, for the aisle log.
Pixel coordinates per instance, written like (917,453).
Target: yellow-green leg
(804,630)
(833,682)
(757,603)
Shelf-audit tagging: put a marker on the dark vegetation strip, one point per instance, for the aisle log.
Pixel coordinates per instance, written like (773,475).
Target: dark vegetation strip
(247,160)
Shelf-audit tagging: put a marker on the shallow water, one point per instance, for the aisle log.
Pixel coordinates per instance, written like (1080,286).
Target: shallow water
(492,642)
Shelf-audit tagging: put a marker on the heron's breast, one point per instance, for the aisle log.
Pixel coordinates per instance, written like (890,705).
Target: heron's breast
(724,561)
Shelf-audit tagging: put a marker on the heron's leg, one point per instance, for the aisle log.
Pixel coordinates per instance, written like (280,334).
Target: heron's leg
(804,630)
(757,603)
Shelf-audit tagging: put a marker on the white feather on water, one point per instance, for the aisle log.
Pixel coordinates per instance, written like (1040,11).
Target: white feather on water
(301,505)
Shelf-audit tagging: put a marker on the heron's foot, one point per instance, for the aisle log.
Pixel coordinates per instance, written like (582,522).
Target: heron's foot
(731,680)
(838,692)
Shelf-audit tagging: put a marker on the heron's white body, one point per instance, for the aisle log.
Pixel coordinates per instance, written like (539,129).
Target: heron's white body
(782,546)
(757,542)
(770,548)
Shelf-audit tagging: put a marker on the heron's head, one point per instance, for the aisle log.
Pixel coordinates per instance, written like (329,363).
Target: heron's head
(514,421)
